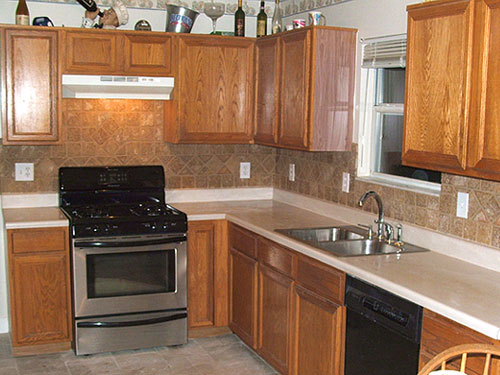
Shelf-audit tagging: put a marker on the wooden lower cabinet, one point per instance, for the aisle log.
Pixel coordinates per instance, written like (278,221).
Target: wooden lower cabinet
(440,333)
(40,290)
(275,320)
(207,274)
(243,296)
(318,344)
(296,328)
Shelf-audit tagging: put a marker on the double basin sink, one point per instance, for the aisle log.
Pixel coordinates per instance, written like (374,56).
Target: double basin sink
(348,241)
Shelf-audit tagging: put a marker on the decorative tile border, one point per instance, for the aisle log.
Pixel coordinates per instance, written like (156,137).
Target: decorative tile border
(251,7)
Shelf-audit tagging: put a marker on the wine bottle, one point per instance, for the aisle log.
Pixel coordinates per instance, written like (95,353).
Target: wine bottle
(277,20)
(90,5)
(239,20)
(261,21)
(22,13)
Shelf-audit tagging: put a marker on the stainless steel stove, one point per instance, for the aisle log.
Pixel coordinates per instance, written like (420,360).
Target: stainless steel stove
(129,258)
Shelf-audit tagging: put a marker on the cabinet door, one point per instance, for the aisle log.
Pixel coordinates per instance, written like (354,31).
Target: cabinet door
(90,52)
(30,77)
(267,62)
(275,299)
(214,90)
(318,347)
(201,274)
(40,290)
(295,82)
(484,132)
(147,55)
(440,333)
(243,296)
(438,78)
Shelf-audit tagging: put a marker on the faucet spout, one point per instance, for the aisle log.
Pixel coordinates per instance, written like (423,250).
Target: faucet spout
(380,220)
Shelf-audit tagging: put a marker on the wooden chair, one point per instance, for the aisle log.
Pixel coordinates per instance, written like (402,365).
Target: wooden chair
(440,361)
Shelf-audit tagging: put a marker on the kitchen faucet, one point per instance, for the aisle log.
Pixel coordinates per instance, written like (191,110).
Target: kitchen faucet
(380,221)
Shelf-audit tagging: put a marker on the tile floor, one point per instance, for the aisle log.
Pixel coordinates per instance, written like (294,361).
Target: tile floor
(222,355)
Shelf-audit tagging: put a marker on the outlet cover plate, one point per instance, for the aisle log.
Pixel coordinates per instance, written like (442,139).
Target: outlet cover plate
(25,172)
(245,170)
(462,205)
(346,178)
(291,172)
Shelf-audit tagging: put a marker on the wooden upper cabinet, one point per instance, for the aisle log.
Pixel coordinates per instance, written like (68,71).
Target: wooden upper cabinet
(311,106)
(116,52)
(452,93)
(30,86)
(267,101)
(295,80)
(213,91)
(90,52)
(438,74)
(146,54)
(484,133)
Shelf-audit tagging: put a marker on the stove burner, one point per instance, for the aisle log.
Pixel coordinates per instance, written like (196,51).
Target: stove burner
(152,210)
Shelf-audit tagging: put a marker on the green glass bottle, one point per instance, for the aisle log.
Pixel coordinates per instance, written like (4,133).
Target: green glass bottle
(261,21)
(239,20)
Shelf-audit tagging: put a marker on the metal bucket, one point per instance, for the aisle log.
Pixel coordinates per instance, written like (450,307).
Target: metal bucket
(180,19)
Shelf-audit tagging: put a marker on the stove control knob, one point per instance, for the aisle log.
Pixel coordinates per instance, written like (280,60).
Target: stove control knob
(95,229)
(153,226)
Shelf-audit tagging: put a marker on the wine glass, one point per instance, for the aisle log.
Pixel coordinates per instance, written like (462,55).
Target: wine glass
(214,11)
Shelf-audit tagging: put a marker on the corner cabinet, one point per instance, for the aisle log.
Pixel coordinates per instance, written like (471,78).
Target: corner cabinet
(452,93)
(40,290)
(213,93)
(30,86)
(286,306)
(305,89)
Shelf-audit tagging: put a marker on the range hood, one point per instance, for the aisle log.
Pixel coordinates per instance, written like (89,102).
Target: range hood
(116,87)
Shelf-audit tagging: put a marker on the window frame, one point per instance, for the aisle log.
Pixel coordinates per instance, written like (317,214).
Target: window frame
(367,139)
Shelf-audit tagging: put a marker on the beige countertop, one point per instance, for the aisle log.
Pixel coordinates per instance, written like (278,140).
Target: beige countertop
(453,288)
(39,217)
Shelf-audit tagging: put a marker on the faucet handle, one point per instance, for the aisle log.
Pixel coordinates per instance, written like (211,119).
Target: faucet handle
(399,236)
(389,232)
(370,230)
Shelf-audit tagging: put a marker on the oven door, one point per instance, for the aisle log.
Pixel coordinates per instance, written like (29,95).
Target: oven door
(129,274)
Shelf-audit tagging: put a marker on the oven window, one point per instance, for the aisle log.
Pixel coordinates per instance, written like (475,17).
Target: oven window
(126,274)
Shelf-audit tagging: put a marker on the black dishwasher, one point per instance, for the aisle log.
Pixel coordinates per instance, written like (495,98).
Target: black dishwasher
(383,331)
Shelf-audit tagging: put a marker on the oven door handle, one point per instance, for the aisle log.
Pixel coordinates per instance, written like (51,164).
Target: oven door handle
(129,243)
(132,323)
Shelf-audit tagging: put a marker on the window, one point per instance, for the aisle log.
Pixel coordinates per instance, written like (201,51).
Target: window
(381,118)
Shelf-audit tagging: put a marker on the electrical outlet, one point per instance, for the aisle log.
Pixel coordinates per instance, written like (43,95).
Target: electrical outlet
(25,172)
(291,172)
(346,178)
(245,170)
(463,205)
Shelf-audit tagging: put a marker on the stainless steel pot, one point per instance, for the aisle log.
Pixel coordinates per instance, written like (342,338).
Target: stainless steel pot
(180,19)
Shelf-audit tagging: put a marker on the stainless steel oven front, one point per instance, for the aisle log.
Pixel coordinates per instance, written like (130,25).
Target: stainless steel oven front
(129,286)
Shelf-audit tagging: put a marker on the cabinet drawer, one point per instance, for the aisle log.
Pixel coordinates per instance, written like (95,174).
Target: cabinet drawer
(243,241)
(276,257)
(34,240)
(321,279)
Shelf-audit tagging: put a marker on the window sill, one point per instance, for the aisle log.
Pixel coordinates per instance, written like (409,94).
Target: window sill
(421,187)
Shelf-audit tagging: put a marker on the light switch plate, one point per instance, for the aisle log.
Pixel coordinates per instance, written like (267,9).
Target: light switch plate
(25,172)
(245,170)
(463,205)
(291,172)
(346,178)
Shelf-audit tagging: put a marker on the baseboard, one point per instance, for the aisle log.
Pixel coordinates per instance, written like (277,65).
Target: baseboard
(194,333)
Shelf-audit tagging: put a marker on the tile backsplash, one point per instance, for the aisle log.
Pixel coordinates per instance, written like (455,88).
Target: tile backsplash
(130,132)
(119,132)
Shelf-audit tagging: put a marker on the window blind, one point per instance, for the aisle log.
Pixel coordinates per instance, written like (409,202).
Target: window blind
(384,52)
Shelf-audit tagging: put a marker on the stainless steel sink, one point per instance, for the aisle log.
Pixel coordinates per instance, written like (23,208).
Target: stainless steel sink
(347,241)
